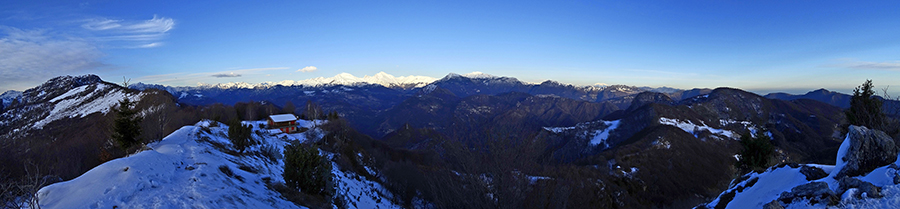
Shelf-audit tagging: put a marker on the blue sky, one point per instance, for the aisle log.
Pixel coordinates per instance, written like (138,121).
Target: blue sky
(762,46)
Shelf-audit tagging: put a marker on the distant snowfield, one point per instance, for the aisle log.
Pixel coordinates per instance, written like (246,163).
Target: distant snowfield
(692,128)
(597,137)
(71,105)
(185,170)
(600,136)
(346,79)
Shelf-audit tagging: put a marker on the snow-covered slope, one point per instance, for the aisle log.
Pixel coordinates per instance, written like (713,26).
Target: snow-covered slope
(78,103)
(754,190)
(192,168)
(60,98)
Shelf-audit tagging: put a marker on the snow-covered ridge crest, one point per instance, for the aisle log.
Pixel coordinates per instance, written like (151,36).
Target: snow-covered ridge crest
(75,103)
(346,79)
(192,168)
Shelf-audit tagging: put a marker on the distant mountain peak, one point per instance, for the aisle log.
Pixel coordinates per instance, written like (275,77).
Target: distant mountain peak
(75,81)
(478,74)
(472,75)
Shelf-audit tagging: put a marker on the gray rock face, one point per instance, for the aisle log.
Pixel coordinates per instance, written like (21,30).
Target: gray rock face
(864,187)
(815,191)
(897,179)
(773,205)
(869,149)
(812,173)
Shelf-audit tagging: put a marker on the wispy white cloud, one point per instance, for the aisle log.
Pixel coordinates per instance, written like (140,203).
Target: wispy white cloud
(101,24)
(308,69)
(895,65)
(226,75)
(659,72)
(130,33)
(150,45)
(192,78)
(33,56)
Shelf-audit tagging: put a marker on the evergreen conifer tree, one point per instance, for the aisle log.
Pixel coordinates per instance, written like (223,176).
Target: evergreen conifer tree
(756,151)
(865,109)
(126,127)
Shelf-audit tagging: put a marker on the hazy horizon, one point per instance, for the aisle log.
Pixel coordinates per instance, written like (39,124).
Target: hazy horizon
(764,46)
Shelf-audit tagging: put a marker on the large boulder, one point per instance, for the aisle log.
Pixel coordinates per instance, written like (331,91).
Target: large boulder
(815,192)
(866,149)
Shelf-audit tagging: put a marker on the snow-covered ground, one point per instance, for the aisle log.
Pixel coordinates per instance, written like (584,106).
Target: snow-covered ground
(70,104)
(694,129)
(600,136)
(771,183)
(597,136)
(192,168)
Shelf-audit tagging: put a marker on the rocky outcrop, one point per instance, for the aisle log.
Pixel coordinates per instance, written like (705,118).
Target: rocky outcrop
(773,205)
(864,187)
(812,173)
(815,192)
(868,149)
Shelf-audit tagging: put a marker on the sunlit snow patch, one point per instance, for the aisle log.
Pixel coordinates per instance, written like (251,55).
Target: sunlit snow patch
(694,129)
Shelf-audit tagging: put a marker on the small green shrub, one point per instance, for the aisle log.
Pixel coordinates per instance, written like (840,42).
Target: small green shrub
(306,170)
(240,135)
(270,152)
(756,151)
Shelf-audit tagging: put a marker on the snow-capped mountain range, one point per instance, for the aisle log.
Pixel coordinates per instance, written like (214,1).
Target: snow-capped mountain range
(345,79)
(623,133)
(380,78)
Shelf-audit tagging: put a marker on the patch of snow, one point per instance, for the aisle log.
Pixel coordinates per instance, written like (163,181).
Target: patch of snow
(769,186)
(69,106)
(694,129)
(842,151)
(730,121)
(73,92)
(480,75)
(661,143)
(429,88)
(534,179)
(558,129)
(601,136)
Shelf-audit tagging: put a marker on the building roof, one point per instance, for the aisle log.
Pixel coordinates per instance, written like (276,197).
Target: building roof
(283,118)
